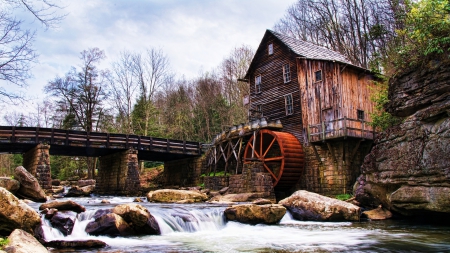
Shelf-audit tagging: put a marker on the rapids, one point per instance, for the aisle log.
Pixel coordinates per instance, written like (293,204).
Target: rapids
(203,228)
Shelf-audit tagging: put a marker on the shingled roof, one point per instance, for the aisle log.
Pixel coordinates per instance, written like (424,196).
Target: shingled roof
(305,49)
(309,50)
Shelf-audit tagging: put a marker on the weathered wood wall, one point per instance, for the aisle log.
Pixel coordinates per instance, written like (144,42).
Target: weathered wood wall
(273,88)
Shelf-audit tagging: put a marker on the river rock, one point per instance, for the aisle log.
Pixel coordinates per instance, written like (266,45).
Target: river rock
(58,189)
(305,205)
(14,213)
(77,244)
(48,213)
(238,197)
(109,224)
(9,184)
(379,213)
(86,182)
(23,242)
(100,212)
(56,182)
(172,196)
(77,191)
(29,185)
(64,222)
(261,202)
(407,170)
(139,218)
(255,214)
(67,205)
(105,201)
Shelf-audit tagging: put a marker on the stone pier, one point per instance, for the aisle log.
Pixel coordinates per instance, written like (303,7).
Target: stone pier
(37,162)
(184,172)
(118,174)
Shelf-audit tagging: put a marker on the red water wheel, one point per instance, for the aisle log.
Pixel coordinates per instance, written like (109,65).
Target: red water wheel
(281,154)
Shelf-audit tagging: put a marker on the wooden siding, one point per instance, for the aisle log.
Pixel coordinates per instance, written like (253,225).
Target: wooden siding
(327,104)
(273,88)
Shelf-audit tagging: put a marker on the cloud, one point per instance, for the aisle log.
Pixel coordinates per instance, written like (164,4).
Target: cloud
(196,34)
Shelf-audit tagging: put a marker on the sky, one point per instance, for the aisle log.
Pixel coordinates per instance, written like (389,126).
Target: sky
(196,35)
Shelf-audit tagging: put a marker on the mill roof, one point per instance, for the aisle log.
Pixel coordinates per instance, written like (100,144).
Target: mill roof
(304,49)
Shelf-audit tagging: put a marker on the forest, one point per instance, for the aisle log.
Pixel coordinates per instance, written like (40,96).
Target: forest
(141,94)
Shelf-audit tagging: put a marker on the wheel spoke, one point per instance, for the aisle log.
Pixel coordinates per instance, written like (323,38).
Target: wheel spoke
(268,148)
(256,153)
(278,158)
(270,171)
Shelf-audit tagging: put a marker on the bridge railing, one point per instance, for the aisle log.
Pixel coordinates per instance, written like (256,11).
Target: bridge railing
(52,136)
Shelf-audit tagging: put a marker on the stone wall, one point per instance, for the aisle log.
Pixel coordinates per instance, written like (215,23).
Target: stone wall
(118,174)
(252,180)
(37,162)
(184,172)
(332,175)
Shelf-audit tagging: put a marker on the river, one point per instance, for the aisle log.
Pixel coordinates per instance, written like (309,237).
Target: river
(203,228)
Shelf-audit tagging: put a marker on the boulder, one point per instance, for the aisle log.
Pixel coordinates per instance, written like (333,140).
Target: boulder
(9,184)
(86,182)
(14,213)
(138,200)
(109,224)
(23,242)
(378,214)
(224,190)
(76,244)
(64,222)
(100,212)
(77,191)
(67,205)
(29,185)
(139,218)
(255,214)
(105,201)
(305,205)
(239,197)
(261,202)
(49,212)
(172,196)
(58,189)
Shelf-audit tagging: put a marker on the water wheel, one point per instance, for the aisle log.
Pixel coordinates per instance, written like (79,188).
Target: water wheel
(281,154)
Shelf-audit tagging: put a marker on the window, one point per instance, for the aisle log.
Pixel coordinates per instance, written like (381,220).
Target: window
(259,108)
(289,103)
(286,73)
(270,49)
(360,114)
(258,84)
(318,76)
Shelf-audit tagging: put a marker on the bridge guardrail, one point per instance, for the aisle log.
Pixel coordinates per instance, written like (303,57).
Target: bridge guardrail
(52,136)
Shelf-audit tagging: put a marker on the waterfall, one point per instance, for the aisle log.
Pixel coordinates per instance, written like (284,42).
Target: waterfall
(170,220)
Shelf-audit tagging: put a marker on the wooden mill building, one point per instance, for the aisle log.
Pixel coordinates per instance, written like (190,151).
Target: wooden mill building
(323,103)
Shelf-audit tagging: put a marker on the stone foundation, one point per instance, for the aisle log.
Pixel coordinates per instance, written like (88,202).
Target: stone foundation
(118,174)
(252,180)
(183,173)
(333,171)
(37,162)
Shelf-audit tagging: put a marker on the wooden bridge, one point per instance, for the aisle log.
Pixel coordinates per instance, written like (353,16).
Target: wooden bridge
(18,140)
(118,171)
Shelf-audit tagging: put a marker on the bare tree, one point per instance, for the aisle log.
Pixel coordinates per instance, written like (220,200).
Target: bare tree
(82,93)
(123,85)
(16,51)
(152,71)
(359,29)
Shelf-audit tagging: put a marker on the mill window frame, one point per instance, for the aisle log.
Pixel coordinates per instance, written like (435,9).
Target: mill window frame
(258,84)
(270,49)
(289,104)
(286,73)
(318,76)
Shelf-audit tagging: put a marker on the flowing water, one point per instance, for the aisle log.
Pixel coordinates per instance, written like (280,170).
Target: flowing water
(203,228)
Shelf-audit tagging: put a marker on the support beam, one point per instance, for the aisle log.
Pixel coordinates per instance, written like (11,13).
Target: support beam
(118,174)
(332,152)
(37,162)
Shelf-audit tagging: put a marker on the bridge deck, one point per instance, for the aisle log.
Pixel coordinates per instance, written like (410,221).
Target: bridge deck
(16,140)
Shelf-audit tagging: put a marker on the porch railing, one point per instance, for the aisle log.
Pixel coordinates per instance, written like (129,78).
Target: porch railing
(340,128)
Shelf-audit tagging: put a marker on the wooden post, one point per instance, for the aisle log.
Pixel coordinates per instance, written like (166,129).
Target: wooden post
(13,136)
(36,139)
(323,131)
(167,145)
(345,127)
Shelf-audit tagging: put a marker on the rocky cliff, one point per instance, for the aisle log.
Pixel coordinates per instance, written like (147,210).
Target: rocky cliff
(408,169)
